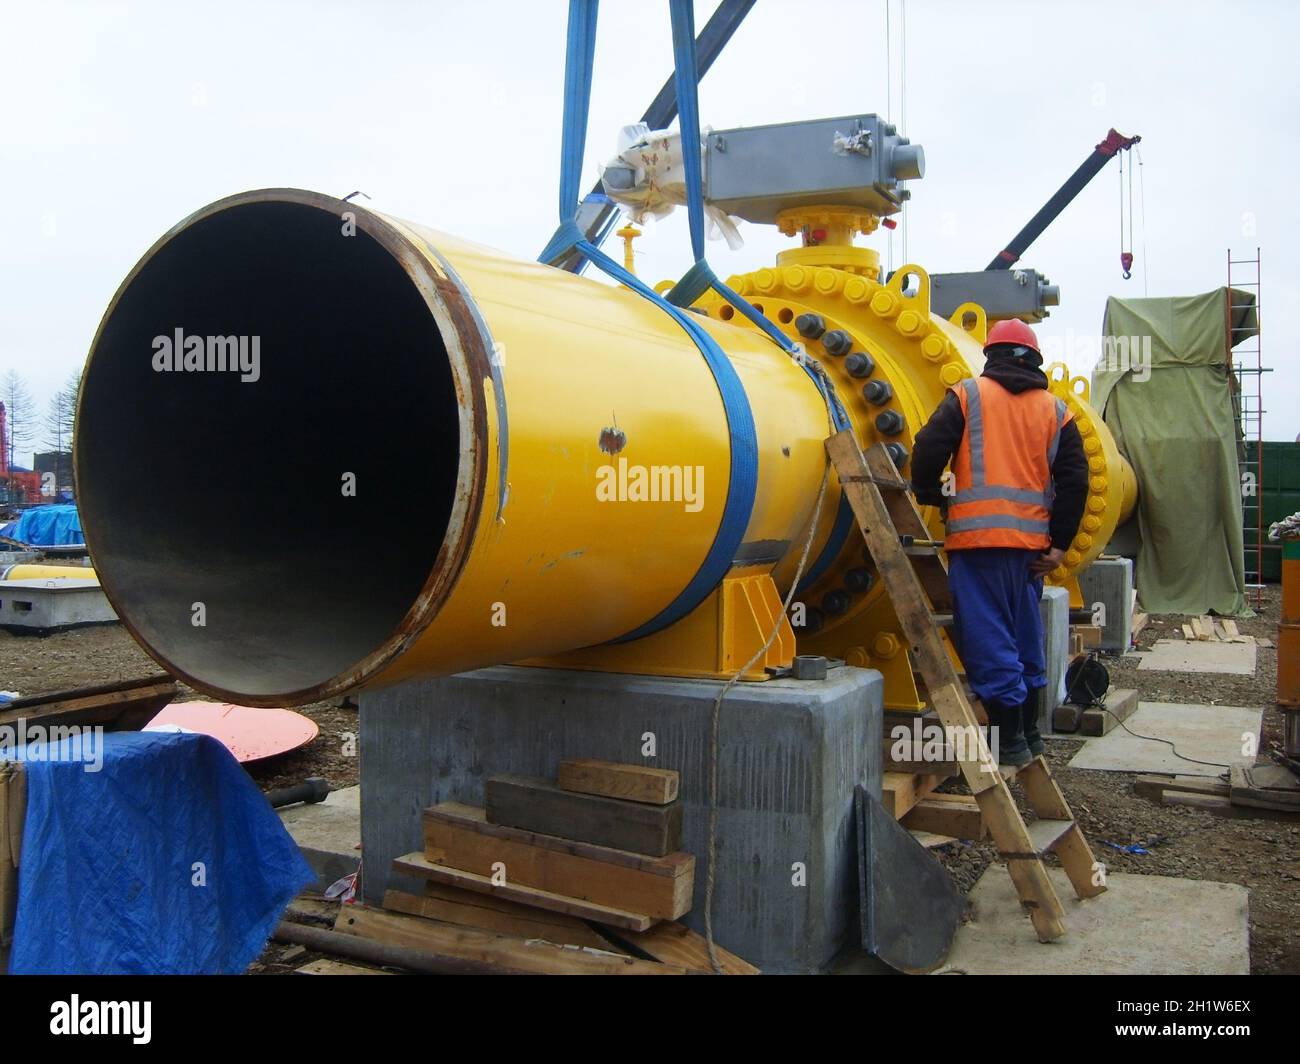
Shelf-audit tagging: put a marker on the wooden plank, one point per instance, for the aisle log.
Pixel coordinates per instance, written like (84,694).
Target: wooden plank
(460,836)
(540,805)
(955,815)
(464,907)
(418,865)
(634,783)
(509,953)
(124,706)
(1089,634)
(674,943)
(325,966)
(900,791)
(1121,703)
(1158,786)
(1140,621)
(313,907)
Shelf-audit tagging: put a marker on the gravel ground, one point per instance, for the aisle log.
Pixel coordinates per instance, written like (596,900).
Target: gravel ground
(1262,854)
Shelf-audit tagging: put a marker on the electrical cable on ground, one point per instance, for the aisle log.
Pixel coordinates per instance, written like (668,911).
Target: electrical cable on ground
(1157,739)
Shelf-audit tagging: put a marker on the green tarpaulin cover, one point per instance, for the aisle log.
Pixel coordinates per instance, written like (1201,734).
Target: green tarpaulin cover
(1166,390)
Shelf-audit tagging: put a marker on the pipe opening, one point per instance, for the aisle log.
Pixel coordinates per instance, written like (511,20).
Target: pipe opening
(220,494)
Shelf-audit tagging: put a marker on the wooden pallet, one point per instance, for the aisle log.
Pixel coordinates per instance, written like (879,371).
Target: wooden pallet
(917,582)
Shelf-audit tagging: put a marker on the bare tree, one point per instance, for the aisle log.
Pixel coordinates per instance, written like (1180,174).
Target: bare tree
(59,418)
(20,413)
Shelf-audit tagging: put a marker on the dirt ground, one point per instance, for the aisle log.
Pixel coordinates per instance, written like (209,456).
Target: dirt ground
(1261,854)
(33,665)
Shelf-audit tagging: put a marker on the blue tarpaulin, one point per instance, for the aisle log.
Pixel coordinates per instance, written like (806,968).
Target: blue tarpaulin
(48,526)
(168,859)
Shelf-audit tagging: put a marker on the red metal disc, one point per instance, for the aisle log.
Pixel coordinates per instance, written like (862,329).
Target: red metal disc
(247,732)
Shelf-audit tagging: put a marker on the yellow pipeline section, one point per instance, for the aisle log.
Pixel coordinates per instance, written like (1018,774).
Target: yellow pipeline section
(37,571)
(590,476)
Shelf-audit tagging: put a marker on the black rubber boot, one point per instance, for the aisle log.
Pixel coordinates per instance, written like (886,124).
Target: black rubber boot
(1030,713)
(1012,749)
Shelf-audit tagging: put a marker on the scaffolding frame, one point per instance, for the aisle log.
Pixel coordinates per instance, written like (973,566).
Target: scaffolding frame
(1247,366)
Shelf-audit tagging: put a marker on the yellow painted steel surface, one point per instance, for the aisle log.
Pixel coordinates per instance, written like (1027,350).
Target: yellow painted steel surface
(571,392)
(38,571)
(584,361)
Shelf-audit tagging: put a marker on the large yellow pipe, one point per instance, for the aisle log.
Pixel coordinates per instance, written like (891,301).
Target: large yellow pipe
(474,396)
(407,470)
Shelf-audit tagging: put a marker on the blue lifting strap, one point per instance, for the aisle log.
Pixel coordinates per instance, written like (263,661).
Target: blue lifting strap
(742,482)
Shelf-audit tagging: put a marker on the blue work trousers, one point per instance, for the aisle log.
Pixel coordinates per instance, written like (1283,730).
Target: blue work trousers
(997,626)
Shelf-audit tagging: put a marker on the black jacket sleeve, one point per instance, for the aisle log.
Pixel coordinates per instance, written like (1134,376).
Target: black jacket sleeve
(934,447)
(1070,475)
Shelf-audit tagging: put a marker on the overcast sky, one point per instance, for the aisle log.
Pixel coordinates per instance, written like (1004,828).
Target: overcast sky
(122,118)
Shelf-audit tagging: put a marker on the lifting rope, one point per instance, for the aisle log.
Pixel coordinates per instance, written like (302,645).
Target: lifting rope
(742,482)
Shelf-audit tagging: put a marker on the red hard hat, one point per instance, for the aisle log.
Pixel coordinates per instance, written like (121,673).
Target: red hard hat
(1012,331)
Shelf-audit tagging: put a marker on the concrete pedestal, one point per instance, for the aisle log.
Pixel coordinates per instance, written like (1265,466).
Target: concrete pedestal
(791,754)
(1055,610)
(45,605)
(1110,582)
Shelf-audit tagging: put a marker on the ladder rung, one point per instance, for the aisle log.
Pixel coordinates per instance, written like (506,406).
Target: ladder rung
(880,482)
(1045,834)
(941,620)
(922,552)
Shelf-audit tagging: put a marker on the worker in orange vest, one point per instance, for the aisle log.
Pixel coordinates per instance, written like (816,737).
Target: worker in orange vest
(1012,504)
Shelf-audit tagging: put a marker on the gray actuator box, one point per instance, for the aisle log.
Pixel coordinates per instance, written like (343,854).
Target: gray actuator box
(756,172)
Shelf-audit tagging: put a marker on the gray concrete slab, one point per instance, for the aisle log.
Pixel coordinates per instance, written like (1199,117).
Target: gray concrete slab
(792,753)
(1206,733)
(1179,655)
(1109,582)
(328,833)
(1142,925)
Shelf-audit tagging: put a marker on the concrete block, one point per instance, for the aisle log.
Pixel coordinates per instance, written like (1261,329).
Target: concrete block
(328,833)
(791,754)
(1212,736)
(1110,582)
(44,605)
(1055,609)
(1142,925)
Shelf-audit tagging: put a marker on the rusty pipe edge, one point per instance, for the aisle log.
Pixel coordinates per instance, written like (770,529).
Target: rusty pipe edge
(130,414)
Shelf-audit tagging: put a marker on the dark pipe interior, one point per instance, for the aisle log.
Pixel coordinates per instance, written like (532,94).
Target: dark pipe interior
(201,487)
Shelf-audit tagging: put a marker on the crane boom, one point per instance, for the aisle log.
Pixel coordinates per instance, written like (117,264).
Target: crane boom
(1111,145)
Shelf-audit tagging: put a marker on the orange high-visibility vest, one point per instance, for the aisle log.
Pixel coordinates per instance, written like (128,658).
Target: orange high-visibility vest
(1003,467)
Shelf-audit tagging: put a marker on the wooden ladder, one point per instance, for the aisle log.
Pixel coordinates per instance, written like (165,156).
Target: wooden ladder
(916,578)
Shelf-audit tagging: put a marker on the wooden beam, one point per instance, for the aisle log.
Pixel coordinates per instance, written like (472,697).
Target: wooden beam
(900,791)
(956,815)
(460,836)
(539,805)
(419,866)
(674,943)
(487,913)
(507,952)
(634,783)
(1121,704)
(325,966)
